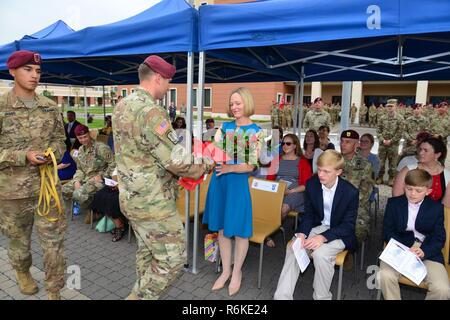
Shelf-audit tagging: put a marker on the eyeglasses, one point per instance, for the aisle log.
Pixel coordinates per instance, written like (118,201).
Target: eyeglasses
(287,143)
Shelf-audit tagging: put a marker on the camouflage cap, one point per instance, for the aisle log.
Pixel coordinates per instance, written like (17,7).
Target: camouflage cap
(350,134)
(391,102)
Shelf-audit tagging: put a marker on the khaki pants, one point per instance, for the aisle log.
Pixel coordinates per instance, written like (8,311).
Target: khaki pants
(16,223)
(324,260)
(436,280)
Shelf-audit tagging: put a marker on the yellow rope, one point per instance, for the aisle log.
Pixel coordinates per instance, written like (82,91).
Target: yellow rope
(48,192)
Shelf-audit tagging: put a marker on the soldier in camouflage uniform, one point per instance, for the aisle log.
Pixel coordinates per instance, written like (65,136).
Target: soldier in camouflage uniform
(29,124)
(358,171)
(362,114)
(413,125)
(372,116)
(439,124)
(149,161)
(353,110)
(95,161)
(389,131)
(274,114)
(316,117)
(288,115)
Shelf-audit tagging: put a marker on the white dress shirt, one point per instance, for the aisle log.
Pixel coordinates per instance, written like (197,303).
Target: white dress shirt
(328,196)
(413,210)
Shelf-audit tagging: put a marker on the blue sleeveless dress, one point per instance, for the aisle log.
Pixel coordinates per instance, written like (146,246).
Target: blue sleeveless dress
(228,202)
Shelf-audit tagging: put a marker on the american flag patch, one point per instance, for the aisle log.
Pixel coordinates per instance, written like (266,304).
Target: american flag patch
(162,127)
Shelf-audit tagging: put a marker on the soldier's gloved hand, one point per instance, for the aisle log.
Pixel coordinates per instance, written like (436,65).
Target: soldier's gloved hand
(32,157)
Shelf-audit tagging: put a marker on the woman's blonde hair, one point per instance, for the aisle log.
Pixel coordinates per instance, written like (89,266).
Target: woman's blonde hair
(331,158)
(247,99)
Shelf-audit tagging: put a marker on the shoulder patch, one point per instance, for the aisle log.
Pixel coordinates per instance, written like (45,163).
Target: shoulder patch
(162,127)
(173,137)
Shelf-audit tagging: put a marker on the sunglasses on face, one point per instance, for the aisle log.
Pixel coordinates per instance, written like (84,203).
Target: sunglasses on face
(287,143)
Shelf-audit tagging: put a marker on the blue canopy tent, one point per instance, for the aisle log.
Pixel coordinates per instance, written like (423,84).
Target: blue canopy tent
(57,29)
(329,40)
(334,40)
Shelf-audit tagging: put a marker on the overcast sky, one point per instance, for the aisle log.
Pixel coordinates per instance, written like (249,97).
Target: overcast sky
(21,17)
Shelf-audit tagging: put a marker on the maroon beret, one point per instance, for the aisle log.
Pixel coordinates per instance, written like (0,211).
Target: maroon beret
(81,130)
(161,66)
(350,134)
(23,57)
(317,99)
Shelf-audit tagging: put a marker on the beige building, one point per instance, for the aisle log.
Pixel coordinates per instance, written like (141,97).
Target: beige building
(61,94)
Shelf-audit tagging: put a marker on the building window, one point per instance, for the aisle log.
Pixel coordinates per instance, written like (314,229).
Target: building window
(436,100)
(289,98)
(124,93)
(173,96)
(307,99)
(279,97)
(336,99)
(377,100)
(206,98)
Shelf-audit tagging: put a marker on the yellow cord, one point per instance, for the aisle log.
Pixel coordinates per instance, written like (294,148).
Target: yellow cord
(48,192)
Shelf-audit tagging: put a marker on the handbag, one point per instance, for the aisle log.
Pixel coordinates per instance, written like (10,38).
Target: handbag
(105,225)
(211,245)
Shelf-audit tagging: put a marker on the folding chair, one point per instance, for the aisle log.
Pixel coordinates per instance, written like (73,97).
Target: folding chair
(375,200)
(181,201)
(267,200)
(445,253)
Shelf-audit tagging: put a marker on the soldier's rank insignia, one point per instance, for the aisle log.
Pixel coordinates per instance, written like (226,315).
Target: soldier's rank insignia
(172,135)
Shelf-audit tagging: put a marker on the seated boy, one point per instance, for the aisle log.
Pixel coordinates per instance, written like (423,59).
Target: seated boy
(418,222)
(326,228)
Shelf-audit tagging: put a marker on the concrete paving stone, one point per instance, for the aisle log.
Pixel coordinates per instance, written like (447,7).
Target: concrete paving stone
(186,296)
(201,293)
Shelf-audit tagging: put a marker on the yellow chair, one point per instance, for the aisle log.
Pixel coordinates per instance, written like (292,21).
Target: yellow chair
(294,214)
(445,253)
(266,206)
(93,133)
(102,138)
(181,201)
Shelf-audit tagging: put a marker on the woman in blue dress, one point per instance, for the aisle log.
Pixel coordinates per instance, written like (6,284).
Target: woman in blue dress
(228,204)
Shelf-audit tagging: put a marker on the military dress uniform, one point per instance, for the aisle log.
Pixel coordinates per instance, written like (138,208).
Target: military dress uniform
(96,160)
(30,125)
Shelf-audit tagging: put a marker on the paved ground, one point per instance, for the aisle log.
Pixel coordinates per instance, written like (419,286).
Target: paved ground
(107,270)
